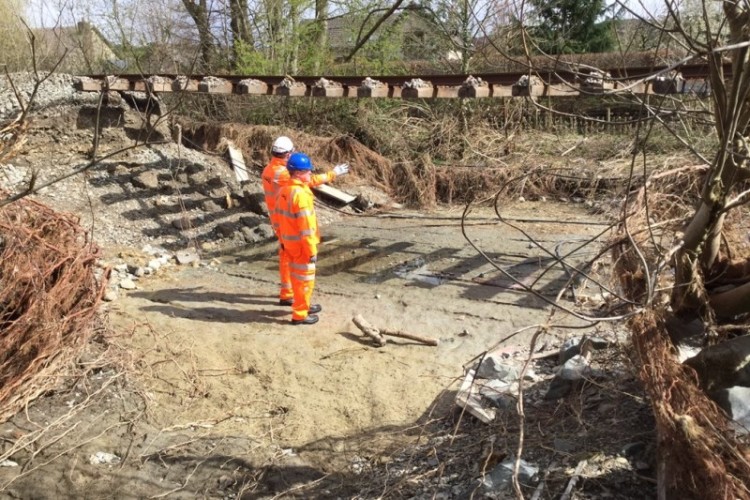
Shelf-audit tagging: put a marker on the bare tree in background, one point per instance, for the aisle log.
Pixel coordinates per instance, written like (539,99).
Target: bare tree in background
(199,12)
(242,36)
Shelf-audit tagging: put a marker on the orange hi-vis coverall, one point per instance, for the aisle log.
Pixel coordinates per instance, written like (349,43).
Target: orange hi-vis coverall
(274,175)
(298,233)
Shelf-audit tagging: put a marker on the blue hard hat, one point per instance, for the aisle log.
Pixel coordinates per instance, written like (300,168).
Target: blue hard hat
(299,161)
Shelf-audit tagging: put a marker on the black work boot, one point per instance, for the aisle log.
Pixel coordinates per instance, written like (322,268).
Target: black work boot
(314,309)
(310,320)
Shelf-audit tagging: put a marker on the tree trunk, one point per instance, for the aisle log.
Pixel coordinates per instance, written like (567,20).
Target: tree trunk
(702,237)
(240,26)
(321,33)
(199,13)
(274,8)
(295,41)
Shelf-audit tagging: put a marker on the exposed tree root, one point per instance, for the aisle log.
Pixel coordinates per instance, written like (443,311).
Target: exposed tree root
(699,454)
(48,299)
(699,457)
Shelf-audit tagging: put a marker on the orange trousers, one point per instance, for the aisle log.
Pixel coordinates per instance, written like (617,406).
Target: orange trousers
(302,273)
(285,280)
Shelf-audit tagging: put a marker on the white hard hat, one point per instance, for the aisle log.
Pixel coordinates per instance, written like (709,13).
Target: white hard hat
(283,144)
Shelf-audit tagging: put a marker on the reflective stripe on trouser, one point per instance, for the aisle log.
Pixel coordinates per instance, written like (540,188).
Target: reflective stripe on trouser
(285,280)
(303,282)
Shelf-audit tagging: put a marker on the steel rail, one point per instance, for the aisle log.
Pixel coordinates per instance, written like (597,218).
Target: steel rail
(549,82)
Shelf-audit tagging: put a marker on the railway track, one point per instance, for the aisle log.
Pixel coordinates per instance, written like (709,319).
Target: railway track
(689,78)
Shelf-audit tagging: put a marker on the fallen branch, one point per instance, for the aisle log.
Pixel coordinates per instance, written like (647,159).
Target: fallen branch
(377,334)
(573,480)
(410,336)
(369,330)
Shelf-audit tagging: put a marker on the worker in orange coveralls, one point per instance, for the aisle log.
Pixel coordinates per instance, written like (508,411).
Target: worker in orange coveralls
(298,232)
(274,175)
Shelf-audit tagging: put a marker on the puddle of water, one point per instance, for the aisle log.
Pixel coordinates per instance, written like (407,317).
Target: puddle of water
(417,270)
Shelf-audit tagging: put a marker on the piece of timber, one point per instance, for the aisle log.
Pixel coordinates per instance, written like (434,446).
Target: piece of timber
(334,193)
(473,91)
(159,84)
(533,90)
(251,86)
(214,85)
(446,92)
(501,91)
(561,90)
(327,88)
(85,84)
(115,83)
(588,88)
(185,83)
(372,88)
(296,89)
(417,89)
(672,86)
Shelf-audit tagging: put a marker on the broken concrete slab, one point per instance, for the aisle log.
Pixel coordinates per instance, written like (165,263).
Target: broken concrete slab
(468,399)
(238,162)
(336,194)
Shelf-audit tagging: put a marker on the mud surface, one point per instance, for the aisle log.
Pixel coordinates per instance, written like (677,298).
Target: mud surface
(222,395)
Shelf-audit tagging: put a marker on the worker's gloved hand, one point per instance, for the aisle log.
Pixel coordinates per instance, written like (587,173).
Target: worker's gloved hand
(341,169)
(313,259)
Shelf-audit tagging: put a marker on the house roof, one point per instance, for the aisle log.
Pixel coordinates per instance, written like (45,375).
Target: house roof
(59,38)
(343,31)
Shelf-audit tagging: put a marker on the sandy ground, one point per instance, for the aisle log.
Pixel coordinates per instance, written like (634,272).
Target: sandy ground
(327,380)
(216,369)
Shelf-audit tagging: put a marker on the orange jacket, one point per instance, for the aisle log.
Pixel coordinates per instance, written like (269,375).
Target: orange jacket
(275,174)
(298,225)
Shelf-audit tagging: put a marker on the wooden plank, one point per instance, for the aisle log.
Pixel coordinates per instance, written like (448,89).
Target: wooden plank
(502,91)
(596,87)
(238,162)
(417,93)
(159,84)
(84,84)
(298,89)
(417,89)
(372,88)
(635,88)
(185,83)
(560,90)
(527,90)
(250,86)
(528,86)
(473,91)
(114,83)
(327,88)
(668,86)
(332,192)
(446,92)
(214,85)
(381,91)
